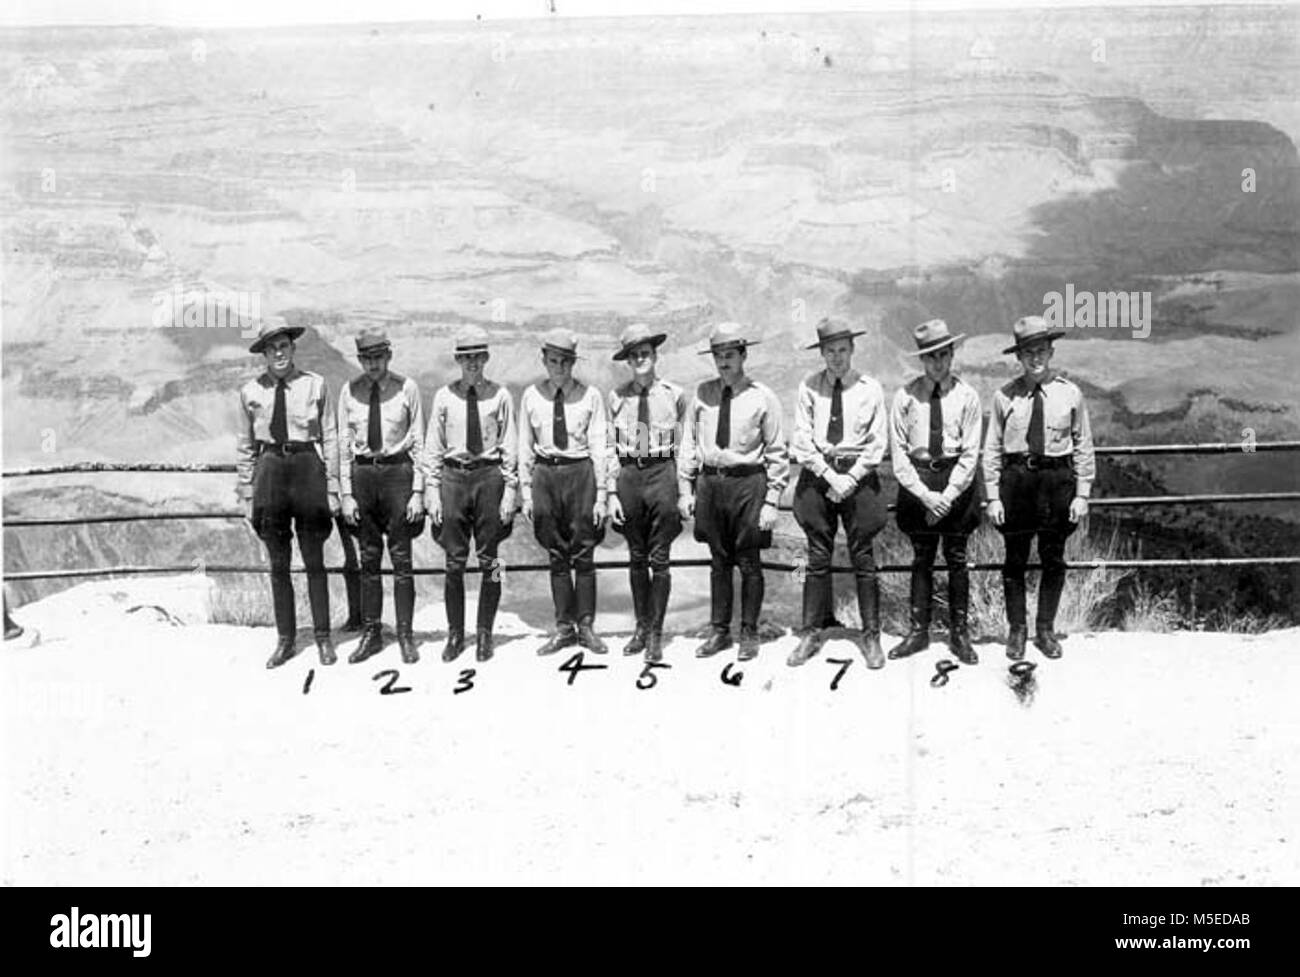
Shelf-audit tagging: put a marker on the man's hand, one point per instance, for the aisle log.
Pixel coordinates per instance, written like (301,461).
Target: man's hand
(941,505)
(598,513)
(506,513)
(335,508)
(843,484)
(997,515)
(616,510)
(415,507)
(767,517)
(433,506)
(686,506)
(1078,508)
(350,514)
(528,509)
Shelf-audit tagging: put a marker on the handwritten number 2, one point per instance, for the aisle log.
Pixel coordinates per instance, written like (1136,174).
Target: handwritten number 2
(390,687)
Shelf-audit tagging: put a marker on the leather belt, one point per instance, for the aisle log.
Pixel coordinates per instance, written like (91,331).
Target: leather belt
(1034,462)
(555,461)
(402,459)
(632,461)
(284,447)
(937,464)
(841,463)
(469,466)
(733,471)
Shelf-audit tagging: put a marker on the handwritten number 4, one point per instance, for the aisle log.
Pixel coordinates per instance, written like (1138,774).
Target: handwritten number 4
(575,665)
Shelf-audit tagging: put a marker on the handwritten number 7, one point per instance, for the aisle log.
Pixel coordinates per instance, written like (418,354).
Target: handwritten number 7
(844,664)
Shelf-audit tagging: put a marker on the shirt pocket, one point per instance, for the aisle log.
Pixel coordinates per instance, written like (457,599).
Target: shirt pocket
(491,430)
(312,419)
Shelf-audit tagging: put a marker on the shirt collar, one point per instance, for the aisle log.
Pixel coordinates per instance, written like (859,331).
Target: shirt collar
(1027,385)
(293,374)
(744,384)
(550,388)
(927,385)
(850,377)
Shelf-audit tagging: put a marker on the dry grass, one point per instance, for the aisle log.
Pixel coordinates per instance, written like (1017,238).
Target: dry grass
(1088,602)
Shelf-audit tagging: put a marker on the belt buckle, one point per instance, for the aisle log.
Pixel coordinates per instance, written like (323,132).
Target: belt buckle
(1031,464)
(935,465)
(641,462)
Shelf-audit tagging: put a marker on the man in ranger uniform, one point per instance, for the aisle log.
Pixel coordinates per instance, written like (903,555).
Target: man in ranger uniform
(1039,467)
(645,416)
(840,436)
(562,480)
(471,479)
(287,463)
(935,445)
(733,469)
(381,430)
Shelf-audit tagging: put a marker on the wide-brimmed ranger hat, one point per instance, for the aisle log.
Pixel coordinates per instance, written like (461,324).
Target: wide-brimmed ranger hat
(829,330)
(728,335)
(635,335)
(561,341)
(933,336)
(1031,329)
(270,328)
(470,339)
(371,341)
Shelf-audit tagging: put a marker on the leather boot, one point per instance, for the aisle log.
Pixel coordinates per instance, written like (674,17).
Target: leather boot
(589,640)
(638,642)
(868,643)
(918,633)
(410,653)
(868,640)
(1046,642)
(639,579)
(654,647)
(454,646)
(809,645)
(352,583)
(959,637)
(1016,643)
(283,651)
(718,640)
(372,643)
(660,589)
(748,644)
(483,646)
(453,599)
(564,637)
(325,648)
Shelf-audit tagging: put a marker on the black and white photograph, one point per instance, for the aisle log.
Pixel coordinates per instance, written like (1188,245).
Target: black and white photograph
(548,443)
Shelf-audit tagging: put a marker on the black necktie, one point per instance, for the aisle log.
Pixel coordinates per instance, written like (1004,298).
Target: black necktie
(473,429)
(835,430)
(724,419)
(279,416)
(643,423)
(374,434)
(936,424)
(559,427)
(1036,422)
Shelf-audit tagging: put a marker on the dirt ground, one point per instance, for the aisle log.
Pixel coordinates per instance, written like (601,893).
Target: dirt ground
(139,751)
